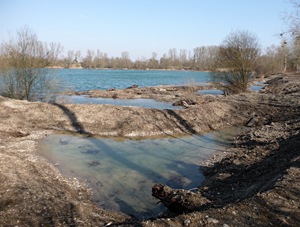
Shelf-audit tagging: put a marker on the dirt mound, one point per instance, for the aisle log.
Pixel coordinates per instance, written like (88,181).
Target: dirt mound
(285,84)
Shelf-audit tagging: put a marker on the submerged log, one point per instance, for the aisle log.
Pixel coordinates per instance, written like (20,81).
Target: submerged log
(179,200)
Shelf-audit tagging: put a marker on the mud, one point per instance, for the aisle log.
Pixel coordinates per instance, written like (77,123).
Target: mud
(254,183)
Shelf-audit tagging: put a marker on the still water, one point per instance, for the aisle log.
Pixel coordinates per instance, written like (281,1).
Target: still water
(122,172)
(210,92)
(145,103)
(257,87)
(92,79)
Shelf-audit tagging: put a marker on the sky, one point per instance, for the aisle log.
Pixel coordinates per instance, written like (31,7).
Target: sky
(142,26)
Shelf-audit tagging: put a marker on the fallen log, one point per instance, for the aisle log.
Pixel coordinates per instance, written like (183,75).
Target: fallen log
(179,200)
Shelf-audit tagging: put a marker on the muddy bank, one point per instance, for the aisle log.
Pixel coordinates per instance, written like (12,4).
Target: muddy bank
(33,192)
(256,183)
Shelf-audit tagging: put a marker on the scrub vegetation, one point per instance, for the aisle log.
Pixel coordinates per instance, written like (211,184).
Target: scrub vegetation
(237,60)
(23,67)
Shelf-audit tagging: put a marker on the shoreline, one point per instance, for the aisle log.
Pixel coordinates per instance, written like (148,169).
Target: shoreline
(147,69)
(33,192)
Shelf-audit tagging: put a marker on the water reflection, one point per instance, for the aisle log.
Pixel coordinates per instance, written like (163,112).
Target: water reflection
(121,174)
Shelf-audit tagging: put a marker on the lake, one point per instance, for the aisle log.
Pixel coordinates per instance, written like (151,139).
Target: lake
(92,79)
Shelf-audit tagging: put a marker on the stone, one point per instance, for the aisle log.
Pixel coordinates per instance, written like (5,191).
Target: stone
(212,220)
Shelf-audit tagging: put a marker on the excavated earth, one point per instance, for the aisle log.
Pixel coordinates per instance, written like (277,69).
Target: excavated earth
(254,183)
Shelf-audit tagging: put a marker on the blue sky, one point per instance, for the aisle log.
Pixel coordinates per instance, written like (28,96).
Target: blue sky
(142,26)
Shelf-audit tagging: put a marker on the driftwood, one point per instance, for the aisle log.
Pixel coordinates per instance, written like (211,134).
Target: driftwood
(186,103)
(133,86)
(179,200)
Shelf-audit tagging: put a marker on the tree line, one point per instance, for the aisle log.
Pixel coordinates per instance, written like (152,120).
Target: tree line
(273,59)
(201,58)
(25,60)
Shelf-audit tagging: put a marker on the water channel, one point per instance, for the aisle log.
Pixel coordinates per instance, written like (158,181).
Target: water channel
(145,103)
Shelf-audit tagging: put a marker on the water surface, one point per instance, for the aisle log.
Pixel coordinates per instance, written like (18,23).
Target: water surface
(92,79)
(121,173)
(146,103)
(256,88)
(210,92)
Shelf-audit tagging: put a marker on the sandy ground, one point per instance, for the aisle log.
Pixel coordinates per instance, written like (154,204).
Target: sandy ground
(254,183)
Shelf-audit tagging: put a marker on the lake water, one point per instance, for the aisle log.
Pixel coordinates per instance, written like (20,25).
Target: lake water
(91,79)
(122,172)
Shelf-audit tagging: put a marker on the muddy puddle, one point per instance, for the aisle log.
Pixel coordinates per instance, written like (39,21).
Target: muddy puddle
(121,172)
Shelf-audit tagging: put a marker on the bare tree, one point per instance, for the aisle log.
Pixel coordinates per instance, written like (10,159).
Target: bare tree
(69,59)
(78,56)
(294,56)
(125,60)
(272,61)
(237,60)
(183,61)
(291,36)
(173,58)
(165,62)
(88,61)
(141,63)
(292,19)
(204,57)
(198,58)
(24,68)
(153,62)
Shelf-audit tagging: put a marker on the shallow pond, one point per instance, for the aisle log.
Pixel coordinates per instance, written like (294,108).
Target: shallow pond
(146,103)
(122,172)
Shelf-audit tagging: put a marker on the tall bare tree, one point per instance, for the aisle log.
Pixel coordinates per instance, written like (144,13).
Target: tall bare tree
(68,61)
(88,61)
(292,19)
(292,35)
(24,67)
(237,57)
(272,61)
(153,62)
(125,61)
